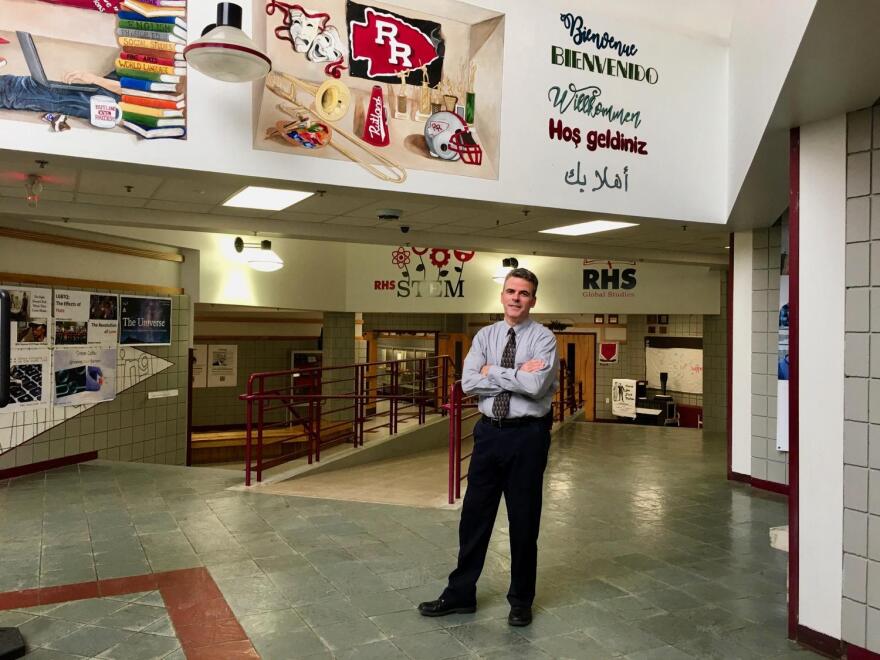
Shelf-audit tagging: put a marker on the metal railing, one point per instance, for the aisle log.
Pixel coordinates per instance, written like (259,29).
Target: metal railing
(569,397)
(320,406)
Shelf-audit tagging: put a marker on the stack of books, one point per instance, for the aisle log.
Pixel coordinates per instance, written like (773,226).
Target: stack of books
(151,68)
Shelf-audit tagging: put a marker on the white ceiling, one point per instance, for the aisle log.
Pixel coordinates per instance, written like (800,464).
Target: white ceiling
(699,18)
(89,192)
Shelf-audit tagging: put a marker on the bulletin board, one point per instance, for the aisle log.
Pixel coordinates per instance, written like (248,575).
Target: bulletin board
(680,357)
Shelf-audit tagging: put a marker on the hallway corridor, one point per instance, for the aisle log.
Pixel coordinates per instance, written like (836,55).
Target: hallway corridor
(646,552)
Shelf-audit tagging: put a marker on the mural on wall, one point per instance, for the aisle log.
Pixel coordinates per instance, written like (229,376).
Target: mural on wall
(427,273)
(389,87)
(102,64)
(584,113)
(20,423)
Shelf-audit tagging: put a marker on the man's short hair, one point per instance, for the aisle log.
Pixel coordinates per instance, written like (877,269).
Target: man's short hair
(524,274)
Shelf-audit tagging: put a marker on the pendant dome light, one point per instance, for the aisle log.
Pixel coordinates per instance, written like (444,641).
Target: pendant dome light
(225,52)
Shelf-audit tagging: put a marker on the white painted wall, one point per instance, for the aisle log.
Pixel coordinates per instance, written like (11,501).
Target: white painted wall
(27,257)
(764,38)
(681,178)
(821,336)
(741,452)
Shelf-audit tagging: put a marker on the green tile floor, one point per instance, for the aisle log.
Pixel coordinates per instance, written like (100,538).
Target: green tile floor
(646,552)
(131,627)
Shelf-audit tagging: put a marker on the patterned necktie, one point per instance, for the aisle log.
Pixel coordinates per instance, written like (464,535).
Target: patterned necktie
(501,404)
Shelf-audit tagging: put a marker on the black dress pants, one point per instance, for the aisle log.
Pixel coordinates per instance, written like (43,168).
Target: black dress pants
(508,461)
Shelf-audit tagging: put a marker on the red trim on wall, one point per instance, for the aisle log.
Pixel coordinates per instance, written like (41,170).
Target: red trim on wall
(730,472)
(794,380)
(820,642)
(20,471)
(739,476)
(858,653)
(771,486)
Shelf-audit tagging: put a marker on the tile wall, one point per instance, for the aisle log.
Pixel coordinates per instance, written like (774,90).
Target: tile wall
(715,366)
(861,431)
(220,406)
(131,427)
(768,463)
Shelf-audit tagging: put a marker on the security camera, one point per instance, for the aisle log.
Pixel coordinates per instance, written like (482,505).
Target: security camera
(404,229)
(388,214)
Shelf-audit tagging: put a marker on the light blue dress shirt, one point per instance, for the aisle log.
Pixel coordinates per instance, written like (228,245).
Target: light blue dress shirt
(531,394)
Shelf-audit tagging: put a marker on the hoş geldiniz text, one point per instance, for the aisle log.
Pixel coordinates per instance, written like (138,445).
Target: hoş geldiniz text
(593,140)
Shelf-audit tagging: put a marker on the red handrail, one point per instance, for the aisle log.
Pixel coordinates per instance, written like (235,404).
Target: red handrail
(458,402)
(410,388)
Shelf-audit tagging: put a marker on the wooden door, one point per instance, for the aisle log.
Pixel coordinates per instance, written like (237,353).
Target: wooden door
(579,352)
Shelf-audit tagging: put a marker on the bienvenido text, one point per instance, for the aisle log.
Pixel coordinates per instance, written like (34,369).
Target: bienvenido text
(575,59)
(586,101)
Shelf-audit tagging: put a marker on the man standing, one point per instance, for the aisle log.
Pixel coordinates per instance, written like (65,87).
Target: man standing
(512,366)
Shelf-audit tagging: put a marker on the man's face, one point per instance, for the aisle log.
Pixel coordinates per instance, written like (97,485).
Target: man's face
(517,298)
(39,332)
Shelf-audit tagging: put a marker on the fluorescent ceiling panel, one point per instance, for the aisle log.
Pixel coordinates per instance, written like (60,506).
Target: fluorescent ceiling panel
(592,227)
(266,199)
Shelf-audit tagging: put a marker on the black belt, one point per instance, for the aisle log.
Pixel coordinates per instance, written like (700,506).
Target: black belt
(511,422)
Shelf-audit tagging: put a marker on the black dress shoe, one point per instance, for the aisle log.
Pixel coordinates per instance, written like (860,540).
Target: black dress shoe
(519,616)
(442,607)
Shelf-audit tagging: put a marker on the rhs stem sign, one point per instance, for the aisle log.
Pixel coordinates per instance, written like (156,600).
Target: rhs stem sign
(427,273)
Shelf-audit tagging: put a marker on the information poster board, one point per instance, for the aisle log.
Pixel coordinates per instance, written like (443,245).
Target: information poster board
(223,366)
(84,375)
(200,366)
(30,380)
(144,321)
(30,314)
(83,318)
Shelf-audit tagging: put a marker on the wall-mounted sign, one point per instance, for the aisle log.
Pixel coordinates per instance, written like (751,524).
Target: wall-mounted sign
(427,273)
(30,313)
(608,352)
(29,380)
(200,366)
(222,365)
(84,375)
(144,321)
(609,278)
(85,318)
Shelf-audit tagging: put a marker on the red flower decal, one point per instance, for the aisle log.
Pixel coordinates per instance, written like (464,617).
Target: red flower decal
(439,257)
(464,255)
(400,258)
(419,251)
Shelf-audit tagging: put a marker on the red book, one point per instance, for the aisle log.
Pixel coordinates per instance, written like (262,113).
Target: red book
(151,59)
(149,52)
(152,103)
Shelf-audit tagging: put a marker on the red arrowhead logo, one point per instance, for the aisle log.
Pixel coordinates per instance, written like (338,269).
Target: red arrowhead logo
(389,44)
(608,352)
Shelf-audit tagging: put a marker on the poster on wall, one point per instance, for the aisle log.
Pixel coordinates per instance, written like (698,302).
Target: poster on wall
(30,316)
(680,358)
(783,365)
(223,365)
(85,318)
(79,64)
(608,352)
(390,87)
(623,397)
(84,375)
(29,380)
(200,366)
(144,321)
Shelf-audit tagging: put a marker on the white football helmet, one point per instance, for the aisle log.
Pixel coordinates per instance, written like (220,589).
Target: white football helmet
(449,138)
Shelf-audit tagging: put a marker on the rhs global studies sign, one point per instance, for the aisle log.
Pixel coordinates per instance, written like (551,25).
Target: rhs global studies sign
(427,273)
(615,278)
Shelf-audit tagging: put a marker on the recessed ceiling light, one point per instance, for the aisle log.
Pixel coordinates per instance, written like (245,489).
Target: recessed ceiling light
(592,227)
(266,199)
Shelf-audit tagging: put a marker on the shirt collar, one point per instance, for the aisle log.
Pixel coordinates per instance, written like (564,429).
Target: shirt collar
(519,327)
